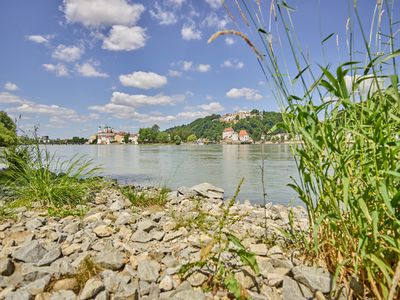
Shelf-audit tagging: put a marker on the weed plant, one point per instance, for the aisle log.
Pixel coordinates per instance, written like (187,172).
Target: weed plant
(348,119)
(35,175)
(145,198)
(220,258)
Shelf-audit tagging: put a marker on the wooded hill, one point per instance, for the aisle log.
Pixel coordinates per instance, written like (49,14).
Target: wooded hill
(211,128)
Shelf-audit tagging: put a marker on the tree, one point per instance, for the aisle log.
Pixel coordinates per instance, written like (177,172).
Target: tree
(155,128)
(8,133)
(177,140)
(163,137)
(126,138)
(192,138)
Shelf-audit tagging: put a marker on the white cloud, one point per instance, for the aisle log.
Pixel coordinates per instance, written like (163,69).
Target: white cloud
(102,12)
(10,86)
(203,68)
(45,109)
(40,39)
(189,32)
(262,82)
(214,3)
(143,80)
(187,65)
(163,16)
(212,107)
(233,64)
(7,98)
(212,20)
(246,93)
(59,69)
(68,53)
(174,73)
(229,41)
(143,100)
(88,70)
(122,38)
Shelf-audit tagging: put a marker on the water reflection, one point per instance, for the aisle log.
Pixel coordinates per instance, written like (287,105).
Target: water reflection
(221,165)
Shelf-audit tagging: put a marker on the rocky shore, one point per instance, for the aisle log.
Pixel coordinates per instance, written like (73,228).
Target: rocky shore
(118,251)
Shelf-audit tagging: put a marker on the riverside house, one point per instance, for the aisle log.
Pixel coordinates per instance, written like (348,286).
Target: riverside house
(230,136)
(105,135)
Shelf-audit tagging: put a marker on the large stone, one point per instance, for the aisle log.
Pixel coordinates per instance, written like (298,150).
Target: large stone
(148,270)
(185,292)
(113,260)
(92,287)
(31,252)
(123,218)
(145,226)
(18,295)
(197,279)
(314,278)
(6,266)
(34,224)
(292,290)
(38,286)
(72,228)
(167,283)
(50,256)
(246,278)
(103,231)
(65,284)
(208,190)
(259,249)
(115,282)
(63,295)
(142,236)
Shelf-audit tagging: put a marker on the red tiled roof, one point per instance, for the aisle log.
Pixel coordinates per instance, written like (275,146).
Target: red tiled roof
(228,129)
(243,132)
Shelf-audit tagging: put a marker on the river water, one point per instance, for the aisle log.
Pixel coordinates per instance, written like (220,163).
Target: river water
(187,165)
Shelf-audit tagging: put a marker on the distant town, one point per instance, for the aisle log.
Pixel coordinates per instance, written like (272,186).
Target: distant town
(243,127)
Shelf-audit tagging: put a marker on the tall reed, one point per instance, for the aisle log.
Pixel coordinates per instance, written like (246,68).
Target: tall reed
(349,123)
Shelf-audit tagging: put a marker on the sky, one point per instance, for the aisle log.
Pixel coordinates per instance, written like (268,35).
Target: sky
(72,65)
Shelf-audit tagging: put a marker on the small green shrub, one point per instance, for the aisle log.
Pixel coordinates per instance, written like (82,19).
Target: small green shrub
(145,198)
(35,175)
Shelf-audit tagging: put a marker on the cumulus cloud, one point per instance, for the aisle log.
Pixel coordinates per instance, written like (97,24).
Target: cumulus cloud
(246,93)
(67,53)
(229,41)
(94,13)
(203,68)
(163,16)
(45,109)
(10,86)
(214,3)
(40,39)
(143,80)
(88,70)
(123,38)
(189,32)
(7,98)
(212,20)
(189,66)
(233,64)
(59,69)
(144,100)
(174,73)
(212,107)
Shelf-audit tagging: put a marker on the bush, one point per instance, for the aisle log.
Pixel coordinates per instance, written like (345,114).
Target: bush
(34,175)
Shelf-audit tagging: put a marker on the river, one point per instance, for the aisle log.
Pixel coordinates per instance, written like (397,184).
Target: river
(187,165)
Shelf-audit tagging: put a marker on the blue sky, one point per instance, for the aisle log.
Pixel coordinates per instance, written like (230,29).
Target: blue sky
(73,65)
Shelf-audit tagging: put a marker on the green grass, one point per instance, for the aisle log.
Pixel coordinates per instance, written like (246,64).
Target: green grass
(145,198)
(35,175)
(349,120)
